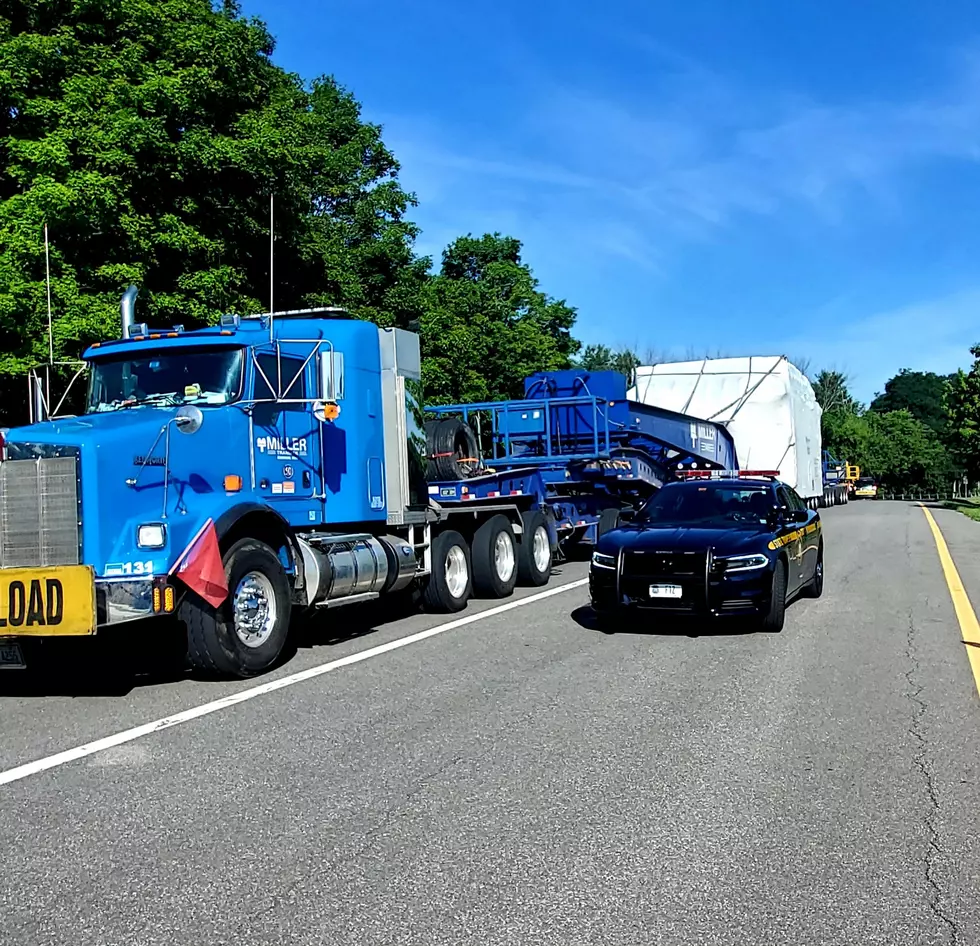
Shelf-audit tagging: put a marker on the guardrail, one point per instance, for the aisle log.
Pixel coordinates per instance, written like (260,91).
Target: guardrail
(924,496)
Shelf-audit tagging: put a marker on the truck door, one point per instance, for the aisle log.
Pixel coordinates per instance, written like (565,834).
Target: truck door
(793,534)
(286,439)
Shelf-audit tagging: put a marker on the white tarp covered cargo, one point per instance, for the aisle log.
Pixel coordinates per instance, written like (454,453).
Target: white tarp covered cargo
(766,403)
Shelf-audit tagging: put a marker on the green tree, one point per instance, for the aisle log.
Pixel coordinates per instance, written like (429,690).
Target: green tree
(149,136)
(896,448)
(905,453)
(919,392)
(962,405)
(603,358)
(833,396)
(487,325)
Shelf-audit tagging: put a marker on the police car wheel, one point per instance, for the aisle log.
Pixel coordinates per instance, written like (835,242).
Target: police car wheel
(246,634)
(814,588)
(773,621)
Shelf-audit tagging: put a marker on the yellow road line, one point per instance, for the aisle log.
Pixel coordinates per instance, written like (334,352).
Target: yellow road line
(969,625)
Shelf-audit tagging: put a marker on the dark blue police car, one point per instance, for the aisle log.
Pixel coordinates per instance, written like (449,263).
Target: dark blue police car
(718,544)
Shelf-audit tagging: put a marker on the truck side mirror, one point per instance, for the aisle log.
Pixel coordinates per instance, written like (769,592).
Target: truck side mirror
(189,419)
(331,375)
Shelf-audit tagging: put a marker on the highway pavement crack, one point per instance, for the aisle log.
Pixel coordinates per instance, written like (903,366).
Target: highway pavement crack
(920,760)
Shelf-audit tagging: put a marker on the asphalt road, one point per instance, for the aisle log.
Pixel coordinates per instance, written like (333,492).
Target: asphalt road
(525,779)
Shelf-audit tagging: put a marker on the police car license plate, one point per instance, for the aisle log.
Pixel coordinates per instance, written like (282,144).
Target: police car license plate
(666,591)
(11,656)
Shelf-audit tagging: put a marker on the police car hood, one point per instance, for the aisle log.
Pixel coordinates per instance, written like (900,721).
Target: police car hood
(668,538)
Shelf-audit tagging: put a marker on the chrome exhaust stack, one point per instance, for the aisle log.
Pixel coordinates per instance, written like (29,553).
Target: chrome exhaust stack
(127,308)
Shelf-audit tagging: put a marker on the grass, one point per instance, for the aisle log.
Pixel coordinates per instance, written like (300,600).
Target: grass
(969,507)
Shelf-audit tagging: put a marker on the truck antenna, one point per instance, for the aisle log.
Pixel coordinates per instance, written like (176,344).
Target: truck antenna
(272,256)
(47,279)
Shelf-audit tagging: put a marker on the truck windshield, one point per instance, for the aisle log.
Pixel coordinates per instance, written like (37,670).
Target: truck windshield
(178,376)
(718,506)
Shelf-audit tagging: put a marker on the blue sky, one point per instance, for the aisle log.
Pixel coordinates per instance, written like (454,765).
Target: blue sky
(706,177)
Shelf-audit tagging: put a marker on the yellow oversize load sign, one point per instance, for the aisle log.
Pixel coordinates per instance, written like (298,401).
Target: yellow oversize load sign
(41,602)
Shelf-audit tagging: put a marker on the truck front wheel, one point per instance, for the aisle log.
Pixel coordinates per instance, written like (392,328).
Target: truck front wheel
(246,634)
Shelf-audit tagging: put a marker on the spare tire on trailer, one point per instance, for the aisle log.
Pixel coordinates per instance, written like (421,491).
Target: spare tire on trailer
(451,449)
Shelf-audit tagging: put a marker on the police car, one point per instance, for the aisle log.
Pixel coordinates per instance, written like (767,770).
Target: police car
(714,544)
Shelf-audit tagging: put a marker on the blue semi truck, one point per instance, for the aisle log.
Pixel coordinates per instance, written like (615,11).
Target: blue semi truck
(231,476)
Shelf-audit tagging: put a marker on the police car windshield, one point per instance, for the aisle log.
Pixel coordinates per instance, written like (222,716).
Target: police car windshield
(717,505)
(162,378)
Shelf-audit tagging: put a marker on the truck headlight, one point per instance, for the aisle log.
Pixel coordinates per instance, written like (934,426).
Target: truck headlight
(600,560)
(151,535)
(745,563)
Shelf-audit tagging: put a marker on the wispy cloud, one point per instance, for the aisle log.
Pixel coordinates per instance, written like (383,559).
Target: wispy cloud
(929,335)
(625,186)
(692,155)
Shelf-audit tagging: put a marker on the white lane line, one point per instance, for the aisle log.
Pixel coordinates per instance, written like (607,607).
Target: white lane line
(117,739)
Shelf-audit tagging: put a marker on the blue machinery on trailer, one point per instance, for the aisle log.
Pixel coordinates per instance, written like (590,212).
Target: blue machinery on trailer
(577,445)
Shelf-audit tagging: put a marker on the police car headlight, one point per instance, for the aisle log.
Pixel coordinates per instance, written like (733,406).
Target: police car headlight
(151,535)
(600,560)
(745,563)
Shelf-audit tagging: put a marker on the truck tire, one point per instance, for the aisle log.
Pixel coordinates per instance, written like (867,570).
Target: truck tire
(773,620)
(450,585)
(246,634)
(453,453)
(494,558)
(608,520)
(534,555)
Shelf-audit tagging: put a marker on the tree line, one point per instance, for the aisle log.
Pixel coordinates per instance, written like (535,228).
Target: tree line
(922,433)
(150,136)
(154,137)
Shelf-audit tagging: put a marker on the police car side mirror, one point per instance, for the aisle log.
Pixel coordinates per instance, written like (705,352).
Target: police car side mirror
(627,515)
(797,515)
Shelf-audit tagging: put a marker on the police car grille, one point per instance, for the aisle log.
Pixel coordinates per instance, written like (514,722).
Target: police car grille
(663,564)
(39,514)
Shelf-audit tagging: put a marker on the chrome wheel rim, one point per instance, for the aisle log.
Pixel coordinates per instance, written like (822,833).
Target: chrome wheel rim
(254,609)
(457,574)
(504,559)
(541,549)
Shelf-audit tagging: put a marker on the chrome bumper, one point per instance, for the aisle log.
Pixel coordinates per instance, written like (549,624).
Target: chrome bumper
(121,601)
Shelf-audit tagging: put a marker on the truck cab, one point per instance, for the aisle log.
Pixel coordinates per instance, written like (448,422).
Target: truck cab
(197,450)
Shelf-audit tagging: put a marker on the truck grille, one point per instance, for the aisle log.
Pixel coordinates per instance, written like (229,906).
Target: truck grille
(39,512)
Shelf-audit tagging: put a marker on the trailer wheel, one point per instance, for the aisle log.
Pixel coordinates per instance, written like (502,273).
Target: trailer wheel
(608,520)
(451,583)
(494,558)
(534,556)
(246,634)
